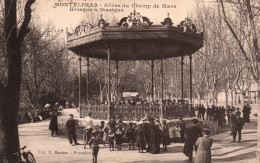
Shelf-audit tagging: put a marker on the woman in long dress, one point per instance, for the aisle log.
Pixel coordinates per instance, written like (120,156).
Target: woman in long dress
(204,148)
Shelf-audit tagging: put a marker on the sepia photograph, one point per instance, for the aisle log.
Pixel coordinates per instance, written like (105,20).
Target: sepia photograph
(130,81)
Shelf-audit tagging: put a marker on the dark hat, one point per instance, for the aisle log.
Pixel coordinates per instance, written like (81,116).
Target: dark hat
(102,122)
(195,121)
(238,113)
(71,115)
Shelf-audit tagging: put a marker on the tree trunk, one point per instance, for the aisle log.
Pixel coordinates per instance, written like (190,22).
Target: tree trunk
(9,140)
(10,94)
(232,99)
(235,98)
(226,99)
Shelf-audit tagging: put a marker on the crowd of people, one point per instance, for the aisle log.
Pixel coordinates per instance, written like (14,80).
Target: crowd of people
(148,134)
(218,113)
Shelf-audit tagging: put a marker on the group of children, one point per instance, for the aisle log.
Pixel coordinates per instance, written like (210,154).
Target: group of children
(116,133)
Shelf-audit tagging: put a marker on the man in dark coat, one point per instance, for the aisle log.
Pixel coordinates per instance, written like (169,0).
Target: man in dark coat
(229,111)
(238,127)
(155,138)
(246,113)
(71,129)
(130,135)
(208,113)
(193,133)
(54,123)
(140,137)
(203,110)
(146,125)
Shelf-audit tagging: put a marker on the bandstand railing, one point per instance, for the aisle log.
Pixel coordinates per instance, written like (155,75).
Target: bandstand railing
(131,112)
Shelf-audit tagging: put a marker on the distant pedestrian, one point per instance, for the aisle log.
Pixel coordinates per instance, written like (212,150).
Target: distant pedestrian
(54,123)
(94,142)
(203,110)
(246,113)
(204,148)
(238,127)
(71,129)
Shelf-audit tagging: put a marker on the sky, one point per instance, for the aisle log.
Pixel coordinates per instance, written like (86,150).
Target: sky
(61,16)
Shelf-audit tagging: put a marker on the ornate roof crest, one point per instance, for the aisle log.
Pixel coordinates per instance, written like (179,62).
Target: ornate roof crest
(134,20)
(187,26)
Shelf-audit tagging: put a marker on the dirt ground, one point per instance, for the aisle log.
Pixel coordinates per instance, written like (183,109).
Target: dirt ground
(47,149)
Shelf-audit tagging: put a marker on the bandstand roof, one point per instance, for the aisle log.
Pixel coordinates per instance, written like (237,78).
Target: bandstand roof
(135,38)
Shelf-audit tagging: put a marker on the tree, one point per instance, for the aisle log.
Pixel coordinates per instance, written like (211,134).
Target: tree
(10,92)
(248,12)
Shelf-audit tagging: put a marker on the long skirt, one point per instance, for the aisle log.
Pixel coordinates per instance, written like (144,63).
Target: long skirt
(203,157)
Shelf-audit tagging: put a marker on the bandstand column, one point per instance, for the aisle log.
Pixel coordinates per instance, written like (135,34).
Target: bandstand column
(190,79)
(182,76)
(116,80)
(87,78)
(108,84)
(161,108)
(152,67)
(80,85)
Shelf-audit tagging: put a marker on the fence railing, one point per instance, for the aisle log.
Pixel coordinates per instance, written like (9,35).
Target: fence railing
(131,112)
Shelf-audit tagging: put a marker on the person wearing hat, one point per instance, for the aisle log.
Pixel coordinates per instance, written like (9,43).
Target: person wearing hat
(155,138)
(165,135)
(239,123)
(71,129)
(233,124)
(118,137)
(204,148)
(94,143)
(193,133)
(54,123)
(103,132)
(246,113)
(112,122)
(140,137)
(111,137)
(130,135)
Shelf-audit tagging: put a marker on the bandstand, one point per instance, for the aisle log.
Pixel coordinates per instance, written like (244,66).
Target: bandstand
(135,38)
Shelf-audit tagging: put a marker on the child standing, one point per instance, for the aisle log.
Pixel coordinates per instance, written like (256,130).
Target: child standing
(119,138)
(111,137)
(94,142)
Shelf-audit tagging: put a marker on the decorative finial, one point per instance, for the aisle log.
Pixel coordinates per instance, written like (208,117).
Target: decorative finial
(101,16)
(134,9)
(168,15)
